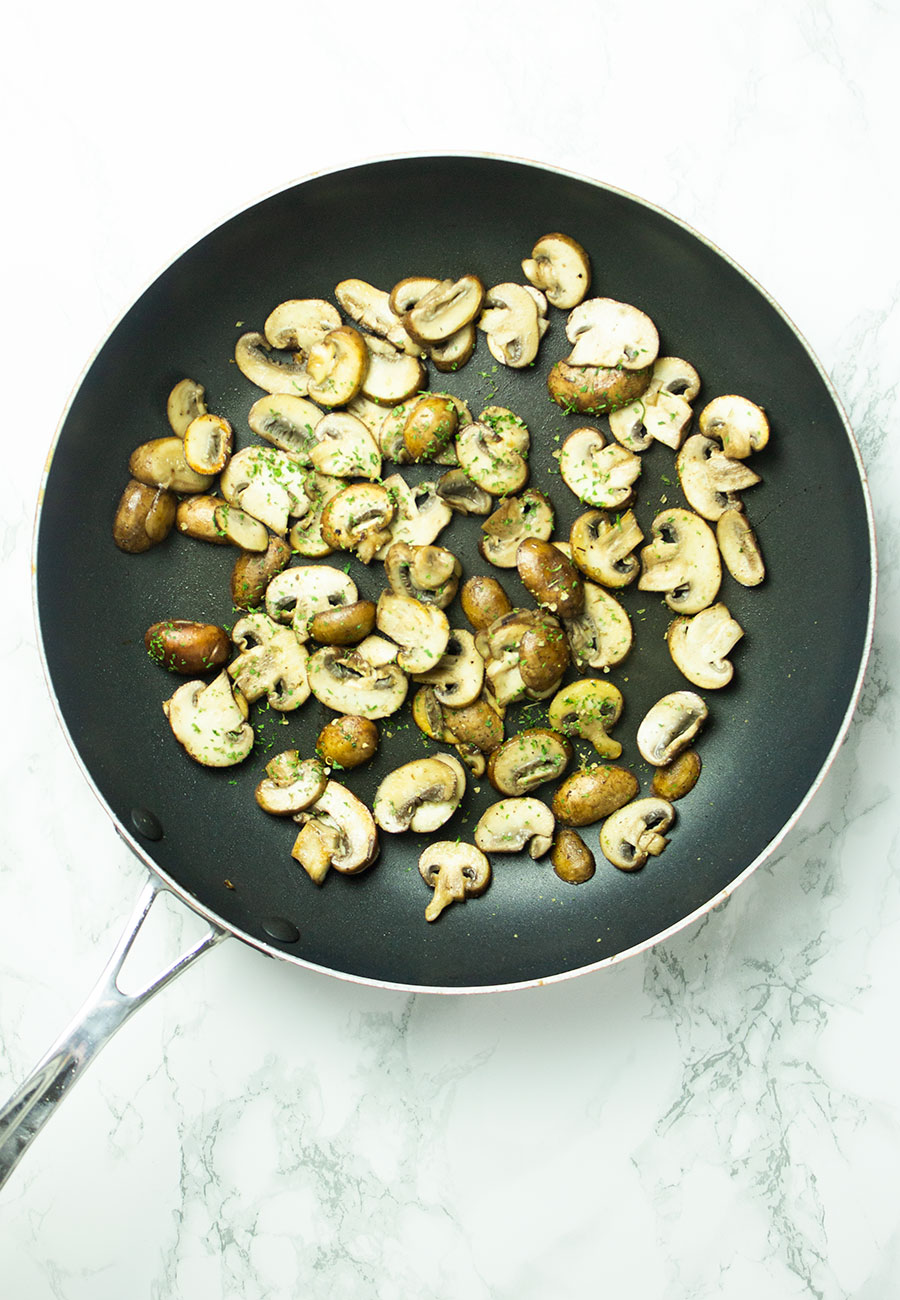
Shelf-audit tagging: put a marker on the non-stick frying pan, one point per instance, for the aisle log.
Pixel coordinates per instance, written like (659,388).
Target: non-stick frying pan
(771,732)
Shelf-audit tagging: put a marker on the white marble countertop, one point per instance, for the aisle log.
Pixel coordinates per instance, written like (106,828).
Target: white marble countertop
(715,1117)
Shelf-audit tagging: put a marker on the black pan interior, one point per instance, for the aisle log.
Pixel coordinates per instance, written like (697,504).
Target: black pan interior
(770,731)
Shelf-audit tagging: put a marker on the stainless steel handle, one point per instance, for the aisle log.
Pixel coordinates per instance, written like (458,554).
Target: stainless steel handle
(106,1009)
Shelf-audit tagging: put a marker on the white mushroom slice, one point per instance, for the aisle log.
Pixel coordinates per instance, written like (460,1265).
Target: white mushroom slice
(588,708)
(291,784)
(561,268)
(300,322)
(603,547)
(527,760)
(207,443)
(601,636)
(337,831)
(371,413)
(337,366)
(657,416)
(427,573)
(344,448)
(444,309)
(210,721)
(186,401)
(239,528)
(305,536)
(268,484)
(635,832)
(272,663)
(670,726)
(420,796)
(276,374)
(739,424)
(378,651)
(458,677)
(599,473)
(455,871)
(359,519)
(371,308)
(420,516)
(288,422)
(739,547)
(421,631)
(297,594)
(392,376)
(510,825)
(453,354)
(675,375)
(462,495)
(510,321)
(490,460)
(610,333)
(700,645)
(682,560)
(709,479)
(518,518)
(160,463)
(407,292)
(347,681)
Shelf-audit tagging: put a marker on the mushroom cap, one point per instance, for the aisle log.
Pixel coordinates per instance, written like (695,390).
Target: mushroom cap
(421,795)
(210,721)
(306,536)
(527,760)
(455,871)
(601,635)
(561,268)
(588,707)
(427,573)
(300,592)
(160,463)
(700,644)
(273,662)
(511,322)
(422,631)
(630,835)
(550,577)
(675,375)
(508,825)
(682,560)
(606,332)
(291,784)
(603,547)
(711,480)
(670,725)
(208,440)
(458,676)
(298,323)
(344,829)
(275,374)
(528,515)
(600,473)
(595,390)
(658,416)
(740,425)
(739,548)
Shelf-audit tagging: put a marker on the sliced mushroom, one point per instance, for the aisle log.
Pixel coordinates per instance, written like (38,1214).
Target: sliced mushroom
(392,376)
(483,601)
(208,441)
(268,484)
(305,536)
(458,677)
(427,573)
(738,424)
(344,448)
(444,309)
(186,401)
(635,832)
(241,529)
(606,332)
(455,871)
(711,480)
(453,354)
(603,547)
(420,796)
(299,323)
(297,594)
(601,635)
(291,784)
(476,724)
(527,760)
(420,516)
(658,416)
(210,721)
(276,374)
(592,793)
(510,825)
(677,376)
(670,726)
(160,463)
(560,267)
(371,308)
(337,366)
(682,560)
(336,831)
(512,655)
(739,548)
(588,708)
(421,631)
(600,473)
(529,515)
(462,495)
(347,681)
(273,663)
(543,656)
(679,777)
(359,519)
(550,577)
(596,390)
(510,321)
(430,424)
(196,517)
(700,645)
(288,422)
(490,459)
(144,517)
(345,624)
(253,571)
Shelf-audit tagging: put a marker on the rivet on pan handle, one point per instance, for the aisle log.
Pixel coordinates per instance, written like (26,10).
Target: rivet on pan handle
(105,1010)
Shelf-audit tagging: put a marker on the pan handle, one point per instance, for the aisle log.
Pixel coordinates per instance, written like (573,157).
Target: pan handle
(104,1011)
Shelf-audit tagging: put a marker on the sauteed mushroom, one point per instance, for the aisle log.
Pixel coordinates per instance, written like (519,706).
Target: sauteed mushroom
(632,834)
(528,760)
(186,401)
(458,676)
(276,374)
(160,463)
(347,681)
(711,480)
(592,793)
(291,784)
(144,517)
(348,741)
(299,323)
(421,631)
(273,663)
(337,366)
(670,726)
(600,473)
(610,333)
(739,548)
(589,708)
(358,518)
(529,515)
(297,594)
(700,645)
(682,560)
(509,825)
(336,831)
(210,721)
(455,871)
(561,268)
(421,795)
(740,425)
(603,546)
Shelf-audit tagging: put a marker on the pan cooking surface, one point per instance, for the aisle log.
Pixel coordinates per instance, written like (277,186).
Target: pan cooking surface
(769,733)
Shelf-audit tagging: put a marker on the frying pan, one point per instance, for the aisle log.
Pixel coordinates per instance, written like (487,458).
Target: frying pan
(770,735)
